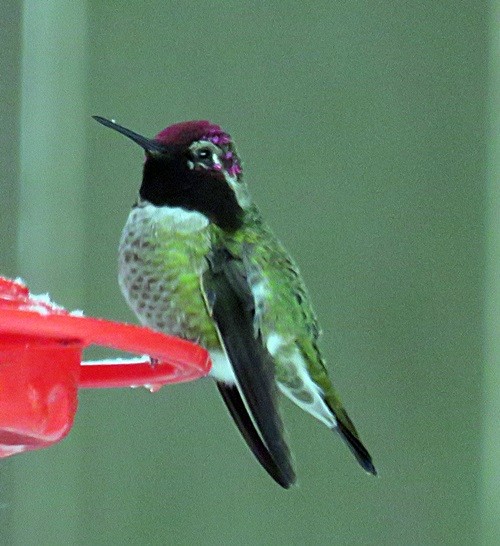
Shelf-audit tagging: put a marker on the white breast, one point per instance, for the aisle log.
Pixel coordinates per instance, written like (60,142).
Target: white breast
(167,218)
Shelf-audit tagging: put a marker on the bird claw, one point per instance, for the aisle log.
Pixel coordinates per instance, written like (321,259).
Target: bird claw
(153,362)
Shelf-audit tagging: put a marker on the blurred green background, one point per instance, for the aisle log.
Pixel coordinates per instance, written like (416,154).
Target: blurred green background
(369,132)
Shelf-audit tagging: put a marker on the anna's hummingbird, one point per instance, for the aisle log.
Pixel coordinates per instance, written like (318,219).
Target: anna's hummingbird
(197,260)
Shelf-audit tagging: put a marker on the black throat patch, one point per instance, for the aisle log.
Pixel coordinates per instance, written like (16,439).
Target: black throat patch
(169,182)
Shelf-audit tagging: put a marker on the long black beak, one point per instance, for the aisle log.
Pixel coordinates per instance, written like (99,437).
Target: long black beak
(150,145)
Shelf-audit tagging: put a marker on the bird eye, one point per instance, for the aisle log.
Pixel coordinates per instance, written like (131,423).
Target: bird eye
(203,153)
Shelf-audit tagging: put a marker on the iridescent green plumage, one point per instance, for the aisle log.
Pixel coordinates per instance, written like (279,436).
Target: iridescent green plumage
(197,261)
(287,311)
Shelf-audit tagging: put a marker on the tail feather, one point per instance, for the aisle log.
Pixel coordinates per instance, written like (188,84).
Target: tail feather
(350,436)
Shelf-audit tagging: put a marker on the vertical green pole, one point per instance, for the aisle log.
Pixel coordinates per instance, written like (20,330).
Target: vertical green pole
(51,232)
(53,147)
(10,65)
(491,446)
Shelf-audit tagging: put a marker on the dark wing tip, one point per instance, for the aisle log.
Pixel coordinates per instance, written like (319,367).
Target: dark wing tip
(258,417)
(357,448)
(232,398)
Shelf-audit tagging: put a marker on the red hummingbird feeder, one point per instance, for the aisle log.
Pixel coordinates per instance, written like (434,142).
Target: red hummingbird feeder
(41,370)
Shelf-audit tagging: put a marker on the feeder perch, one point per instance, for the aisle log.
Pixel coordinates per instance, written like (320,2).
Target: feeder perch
(41,370)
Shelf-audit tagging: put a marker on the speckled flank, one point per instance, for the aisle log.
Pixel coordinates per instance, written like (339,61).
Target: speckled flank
(161,258)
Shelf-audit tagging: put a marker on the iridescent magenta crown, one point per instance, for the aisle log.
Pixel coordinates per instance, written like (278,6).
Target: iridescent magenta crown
(189,131)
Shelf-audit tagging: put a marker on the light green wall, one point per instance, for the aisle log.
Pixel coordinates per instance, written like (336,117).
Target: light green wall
(10,26)
(490,494)
(363,128)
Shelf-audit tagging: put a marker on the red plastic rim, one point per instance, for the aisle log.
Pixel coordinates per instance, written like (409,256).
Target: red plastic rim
(176,360)
(40,365)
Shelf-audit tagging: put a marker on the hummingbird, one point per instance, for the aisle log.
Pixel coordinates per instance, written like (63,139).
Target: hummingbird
(198,261)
